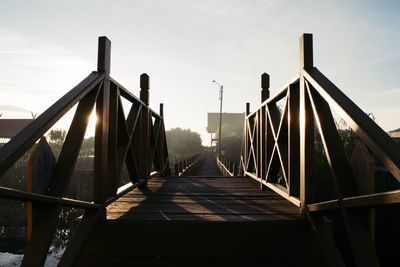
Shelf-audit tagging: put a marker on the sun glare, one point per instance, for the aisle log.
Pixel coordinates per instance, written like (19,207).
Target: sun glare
(90,131)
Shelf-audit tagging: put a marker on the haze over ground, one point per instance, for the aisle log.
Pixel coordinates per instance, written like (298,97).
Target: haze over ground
(47,47)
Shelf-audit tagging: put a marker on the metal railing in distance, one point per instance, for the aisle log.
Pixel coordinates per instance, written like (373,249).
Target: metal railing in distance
(278,151)
(227,167)
(138,141)
(186,166)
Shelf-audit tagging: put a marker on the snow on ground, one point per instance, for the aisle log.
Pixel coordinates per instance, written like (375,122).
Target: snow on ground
(9,259)
(14,260)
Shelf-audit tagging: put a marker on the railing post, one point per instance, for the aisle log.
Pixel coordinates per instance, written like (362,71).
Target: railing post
(102,167)
(144,164)
(264,87)
(160,152)
(246,140)
(163,148)
(144,88)
(307,173)
(306,51)
(180,166)
(262,169)
(162,110)
(176,169)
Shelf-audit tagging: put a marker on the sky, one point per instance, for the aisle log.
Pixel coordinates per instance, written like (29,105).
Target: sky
(47,47)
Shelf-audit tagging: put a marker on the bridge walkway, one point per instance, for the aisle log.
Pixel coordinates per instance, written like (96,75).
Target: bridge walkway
(202,221)
(207,166)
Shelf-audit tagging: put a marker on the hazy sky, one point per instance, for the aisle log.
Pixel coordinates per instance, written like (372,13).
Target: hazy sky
(47,47)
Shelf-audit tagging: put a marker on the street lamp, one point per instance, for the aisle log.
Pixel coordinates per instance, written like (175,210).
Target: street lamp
(221,91)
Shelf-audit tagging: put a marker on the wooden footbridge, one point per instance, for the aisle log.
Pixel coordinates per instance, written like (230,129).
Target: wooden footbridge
(265,214)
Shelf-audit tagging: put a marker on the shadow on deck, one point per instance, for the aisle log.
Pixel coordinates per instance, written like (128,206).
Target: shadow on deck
(202,221)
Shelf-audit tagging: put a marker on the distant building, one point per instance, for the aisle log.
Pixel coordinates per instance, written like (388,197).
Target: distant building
(11,127)
(395,134)
(234,120)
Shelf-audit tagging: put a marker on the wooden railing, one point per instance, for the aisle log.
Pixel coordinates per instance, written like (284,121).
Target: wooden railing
(186,166)
(227,167)
(278,151)
(138,141)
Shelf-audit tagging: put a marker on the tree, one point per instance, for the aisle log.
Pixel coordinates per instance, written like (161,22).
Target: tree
(56,139)
(182,143)
(231,142)
(57,136)
(87,148)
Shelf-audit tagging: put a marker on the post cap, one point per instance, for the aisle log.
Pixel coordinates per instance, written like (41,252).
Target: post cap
(265,80)
(144,81)
(306,51)
(104,55)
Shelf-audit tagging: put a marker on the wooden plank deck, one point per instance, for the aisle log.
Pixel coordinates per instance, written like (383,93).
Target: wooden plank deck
(202,199)
(202,221)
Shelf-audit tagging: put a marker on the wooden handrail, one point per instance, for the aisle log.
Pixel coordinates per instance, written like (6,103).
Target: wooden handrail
(18,195)
(377,139)
(14,149)
(364,201)
(278,151)
(227,167)
(138,141)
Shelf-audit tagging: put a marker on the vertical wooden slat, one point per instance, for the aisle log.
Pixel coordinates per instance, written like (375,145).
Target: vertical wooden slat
(176,169)
(167,170)
(263,143)
(155,145)
(256,143)
(294,140)
(245,145)
(113,179)
(162,143)
(29,205)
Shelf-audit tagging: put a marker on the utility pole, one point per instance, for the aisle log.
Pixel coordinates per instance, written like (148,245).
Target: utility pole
(221,91)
